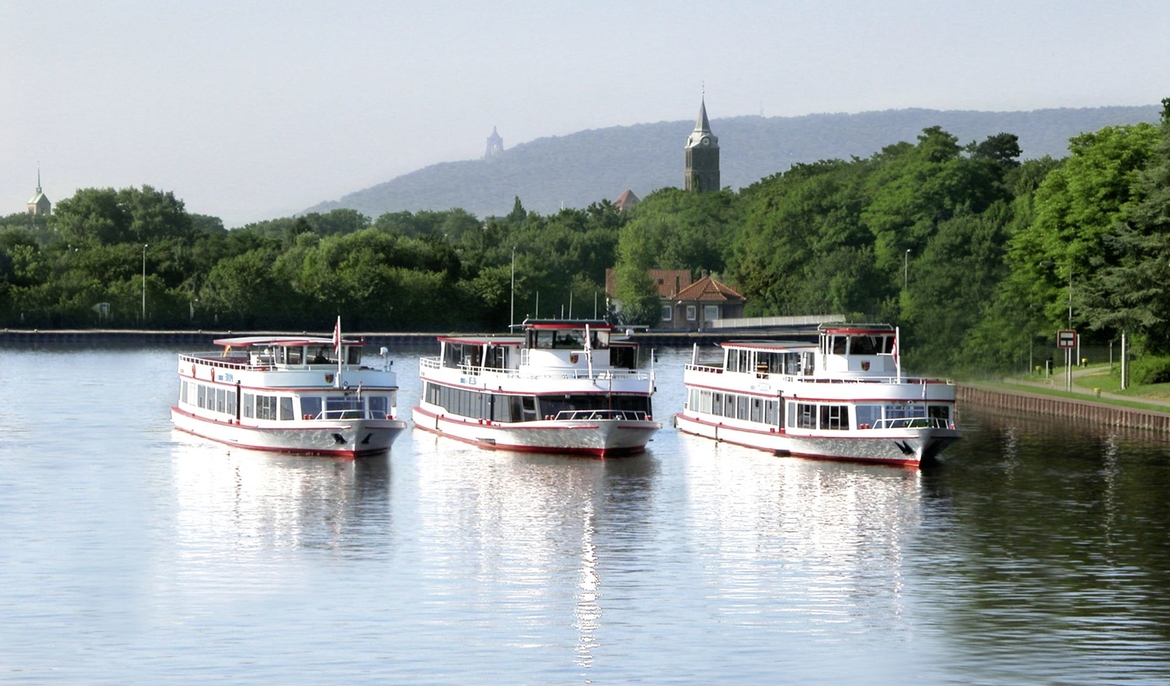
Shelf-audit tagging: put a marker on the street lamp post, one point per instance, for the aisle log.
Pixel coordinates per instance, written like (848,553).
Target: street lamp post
(144,245)
(906,268)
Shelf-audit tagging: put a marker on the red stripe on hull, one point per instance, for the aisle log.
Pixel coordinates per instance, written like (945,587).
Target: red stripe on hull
(913,464)
(339,454)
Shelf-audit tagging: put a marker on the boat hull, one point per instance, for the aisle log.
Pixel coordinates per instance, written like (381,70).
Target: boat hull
(337,438)
(599,438)
(909,446)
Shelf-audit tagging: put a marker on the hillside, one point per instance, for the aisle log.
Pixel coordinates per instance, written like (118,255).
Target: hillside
(584,167)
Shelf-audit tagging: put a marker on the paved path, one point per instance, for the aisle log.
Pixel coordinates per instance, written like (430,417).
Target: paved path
(1056,382)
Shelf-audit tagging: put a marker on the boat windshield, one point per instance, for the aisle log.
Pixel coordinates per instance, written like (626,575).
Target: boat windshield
(567,339)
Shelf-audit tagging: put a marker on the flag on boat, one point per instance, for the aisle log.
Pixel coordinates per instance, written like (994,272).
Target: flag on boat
(897,332)
(337,336)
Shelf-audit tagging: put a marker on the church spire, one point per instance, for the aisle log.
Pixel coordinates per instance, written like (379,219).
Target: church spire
(702,154)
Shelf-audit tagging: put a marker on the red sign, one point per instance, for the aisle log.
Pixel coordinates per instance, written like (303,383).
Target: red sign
(1066,339)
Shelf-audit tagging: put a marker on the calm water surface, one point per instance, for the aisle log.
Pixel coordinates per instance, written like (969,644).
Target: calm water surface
(1038,552)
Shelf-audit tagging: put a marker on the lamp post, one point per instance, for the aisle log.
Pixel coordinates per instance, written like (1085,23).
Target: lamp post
(906,268)
(144,245)
(512,311)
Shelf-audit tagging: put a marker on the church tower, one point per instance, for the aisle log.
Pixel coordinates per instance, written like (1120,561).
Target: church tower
(702,171)
(39,205)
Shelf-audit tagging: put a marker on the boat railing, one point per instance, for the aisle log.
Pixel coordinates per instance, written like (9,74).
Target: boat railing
(913,423)
(791,378)
(598,415)
(346,414)
(540,373)
(222,362)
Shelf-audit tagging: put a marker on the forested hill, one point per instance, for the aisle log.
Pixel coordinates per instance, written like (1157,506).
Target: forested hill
(585,167)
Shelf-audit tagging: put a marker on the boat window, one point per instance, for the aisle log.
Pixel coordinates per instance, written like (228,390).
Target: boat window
(321,354)
(295,355)
(757,409)
(528,403)
(717,403)
(741,407)
(221,400)
(806,415)
(866,345)
(286,408)
(202,395)
(349,407)
(623,357)
(867,415)
(266,407)
(888,345)
(310,407)
(379,406)
(249,404)
(834,417)
(905,410)
(231,400)
(939,412)
(839,344)
(772,412)
(354,354)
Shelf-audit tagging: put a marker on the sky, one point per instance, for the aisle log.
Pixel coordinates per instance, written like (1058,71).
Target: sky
(250,110)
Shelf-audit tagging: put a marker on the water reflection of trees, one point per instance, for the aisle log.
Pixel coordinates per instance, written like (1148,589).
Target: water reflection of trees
(1057,560)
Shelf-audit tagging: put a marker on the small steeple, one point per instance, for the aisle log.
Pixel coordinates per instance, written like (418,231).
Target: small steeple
(39,205)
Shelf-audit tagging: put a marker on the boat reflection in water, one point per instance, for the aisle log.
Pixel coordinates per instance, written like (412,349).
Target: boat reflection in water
(537,534)
(232,503)
(801,537)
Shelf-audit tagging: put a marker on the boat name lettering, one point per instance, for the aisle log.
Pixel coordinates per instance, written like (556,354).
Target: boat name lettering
(226,376)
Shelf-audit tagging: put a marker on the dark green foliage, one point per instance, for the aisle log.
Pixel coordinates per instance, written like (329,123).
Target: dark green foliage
(1150,369)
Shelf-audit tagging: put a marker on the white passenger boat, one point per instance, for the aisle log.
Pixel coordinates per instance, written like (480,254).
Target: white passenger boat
(561,386)
(844,398)
(297,394)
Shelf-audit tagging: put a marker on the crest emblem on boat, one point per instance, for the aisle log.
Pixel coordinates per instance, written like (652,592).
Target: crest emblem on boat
(328,378)
(573,358)
(865,366)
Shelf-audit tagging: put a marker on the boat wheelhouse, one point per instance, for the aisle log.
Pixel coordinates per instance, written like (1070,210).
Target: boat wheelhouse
(843,398)
(565,386)
(294,394)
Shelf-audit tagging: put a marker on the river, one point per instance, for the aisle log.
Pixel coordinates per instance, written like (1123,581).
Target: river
(1038,551)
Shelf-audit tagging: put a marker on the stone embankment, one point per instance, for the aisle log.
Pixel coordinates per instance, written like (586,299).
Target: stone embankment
(1070,408)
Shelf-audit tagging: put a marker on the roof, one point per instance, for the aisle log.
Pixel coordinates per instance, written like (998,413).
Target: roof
(668,281)
(708,289)
(286,341)
(702,129)
(626,200)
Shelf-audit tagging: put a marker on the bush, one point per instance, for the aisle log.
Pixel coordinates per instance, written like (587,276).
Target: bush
(1149,369)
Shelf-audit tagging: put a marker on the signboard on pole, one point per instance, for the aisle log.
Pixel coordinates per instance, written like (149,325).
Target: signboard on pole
(1066,339)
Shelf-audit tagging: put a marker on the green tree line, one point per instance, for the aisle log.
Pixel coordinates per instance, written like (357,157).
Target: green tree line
(969,249)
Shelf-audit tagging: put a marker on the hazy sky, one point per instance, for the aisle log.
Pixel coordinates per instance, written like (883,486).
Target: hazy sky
(252,110)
